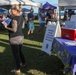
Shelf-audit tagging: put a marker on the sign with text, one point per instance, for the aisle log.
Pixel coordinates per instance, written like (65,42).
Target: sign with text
(51,31)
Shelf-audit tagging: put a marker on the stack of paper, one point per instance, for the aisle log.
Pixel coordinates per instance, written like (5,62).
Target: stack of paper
(70,43)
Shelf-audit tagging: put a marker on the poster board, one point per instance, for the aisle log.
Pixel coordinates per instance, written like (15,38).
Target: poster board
(70,24)
(52,30)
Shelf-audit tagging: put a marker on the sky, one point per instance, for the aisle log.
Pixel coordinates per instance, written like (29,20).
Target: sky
(53,2)
(44,1)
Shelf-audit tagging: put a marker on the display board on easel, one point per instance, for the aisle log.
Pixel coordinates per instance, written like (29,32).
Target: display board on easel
(52,30)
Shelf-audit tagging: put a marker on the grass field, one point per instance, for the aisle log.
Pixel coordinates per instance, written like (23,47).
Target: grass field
(38,62)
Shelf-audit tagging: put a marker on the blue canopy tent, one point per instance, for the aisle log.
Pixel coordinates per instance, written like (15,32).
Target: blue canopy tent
(3,10)
(25,9)
(47,6)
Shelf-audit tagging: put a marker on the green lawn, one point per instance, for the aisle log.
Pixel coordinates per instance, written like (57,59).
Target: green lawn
(38,62)
(36,21)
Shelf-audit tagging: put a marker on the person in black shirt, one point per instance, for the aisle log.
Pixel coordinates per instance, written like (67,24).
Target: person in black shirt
(69,13)
(16,36)
(65,16)
(50,16)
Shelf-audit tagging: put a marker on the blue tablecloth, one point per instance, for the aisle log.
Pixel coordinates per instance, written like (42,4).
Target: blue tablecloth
(67,54)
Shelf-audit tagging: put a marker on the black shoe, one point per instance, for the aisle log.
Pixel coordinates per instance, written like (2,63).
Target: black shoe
(23,65)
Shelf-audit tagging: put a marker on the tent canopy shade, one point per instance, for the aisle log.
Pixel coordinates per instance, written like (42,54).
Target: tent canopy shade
(67,3)
(8,3)
(6,6)
(25,9)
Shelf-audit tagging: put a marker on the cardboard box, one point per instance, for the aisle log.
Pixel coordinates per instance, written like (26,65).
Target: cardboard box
(68,33)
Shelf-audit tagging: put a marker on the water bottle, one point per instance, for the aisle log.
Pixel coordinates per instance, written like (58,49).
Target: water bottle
(74,70)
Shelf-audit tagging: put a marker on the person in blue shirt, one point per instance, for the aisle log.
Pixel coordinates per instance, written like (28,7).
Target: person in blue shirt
(30,23)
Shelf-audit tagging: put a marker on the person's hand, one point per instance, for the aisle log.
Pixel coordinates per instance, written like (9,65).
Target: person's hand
(31,18)
(5,26)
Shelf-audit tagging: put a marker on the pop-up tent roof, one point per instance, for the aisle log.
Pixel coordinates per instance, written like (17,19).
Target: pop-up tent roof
(3,10)
(25,9)
(7,3)
(68,4)
(48,6)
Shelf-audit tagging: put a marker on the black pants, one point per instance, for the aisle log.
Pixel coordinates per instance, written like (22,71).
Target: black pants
(18,55)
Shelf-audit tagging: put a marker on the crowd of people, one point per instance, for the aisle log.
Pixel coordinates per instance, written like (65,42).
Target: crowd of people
(43,16)
(16,36)
(67,16)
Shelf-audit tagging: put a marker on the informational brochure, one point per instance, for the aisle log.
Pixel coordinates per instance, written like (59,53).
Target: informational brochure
(6,21)
(70,43)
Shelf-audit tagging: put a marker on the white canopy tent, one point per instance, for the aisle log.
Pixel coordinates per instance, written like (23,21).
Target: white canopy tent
(66,4)
(8,3)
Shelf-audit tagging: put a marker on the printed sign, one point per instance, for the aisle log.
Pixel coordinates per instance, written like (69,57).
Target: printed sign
(52,31)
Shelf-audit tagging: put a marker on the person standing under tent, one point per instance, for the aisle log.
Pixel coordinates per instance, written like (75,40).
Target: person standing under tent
(41,20)
(16,37)
(30,24)
(50,16)
(69,13)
